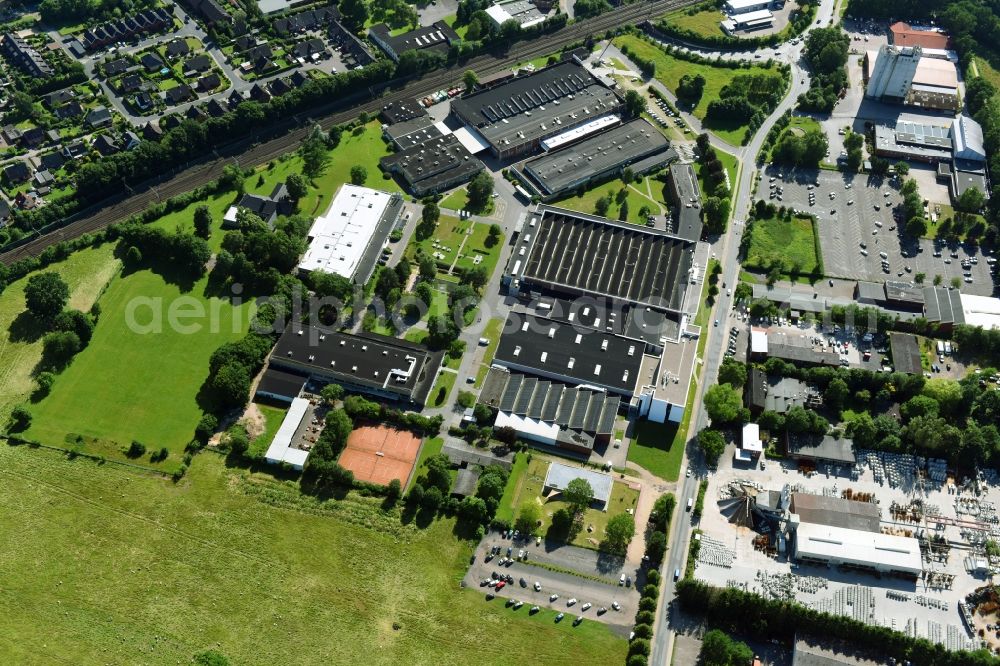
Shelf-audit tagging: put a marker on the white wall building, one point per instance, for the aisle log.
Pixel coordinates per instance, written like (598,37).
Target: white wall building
(280,450)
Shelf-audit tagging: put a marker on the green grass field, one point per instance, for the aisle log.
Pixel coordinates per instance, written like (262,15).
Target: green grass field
(703,23)
(731,164)
(133,385)
(790,242)
(86,272)
(448,237)
(103,565)
(458,199)
(431,447)
(987,71)
(647,192)
(442,388)
(273,416)
(669,71)
(657,448)
(528,488)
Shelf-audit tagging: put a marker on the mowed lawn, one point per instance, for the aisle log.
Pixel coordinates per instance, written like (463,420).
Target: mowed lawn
(528,487)
(731,164)
(86,272)
(363,148)
(134,385)
(657,448)
(790,243)
(447,240)
(669,71)
(646,192)
(103,565)
(703,23)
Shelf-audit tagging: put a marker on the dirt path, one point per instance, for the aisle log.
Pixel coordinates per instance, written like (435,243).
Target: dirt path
(651,488)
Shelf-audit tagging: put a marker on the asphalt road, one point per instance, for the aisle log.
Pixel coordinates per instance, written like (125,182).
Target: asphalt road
(726,250)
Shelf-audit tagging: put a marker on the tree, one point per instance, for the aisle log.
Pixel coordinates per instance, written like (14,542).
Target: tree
(723,403)
(716,213)
(663,508)
(712,444)
(836,393)
(206,428)
(359,175)
(635,103)
(297,186)
(43,384)
(971,201)
(46,295)
(202,222)
(690,88)
(470,80)
(480,190)
(429,217)
(393,491)
(656,547)
(59,348)
(919,278)
(733,372)
(20,419)
(474,509)
(438,475)
(718,649)
(354,13)
(902,168)
(602,205)
(230,386)
(313,151)
(579,494)
(618,533)
(527,519)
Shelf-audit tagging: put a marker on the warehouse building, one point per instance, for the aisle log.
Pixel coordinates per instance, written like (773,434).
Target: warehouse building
(570,354)
(283,449)
(635,144)
(348,239)
(779,394)
(515,116)
(569,254)
(748,21)
(820,449)
(409,133)
(745,6)
(437,37)
(903,34)
(686,197)
(905,353)
(836,512)
(433,166)
(858,549)
(525,13)
(943,307)
(384,367)
(575,419)
(902,75)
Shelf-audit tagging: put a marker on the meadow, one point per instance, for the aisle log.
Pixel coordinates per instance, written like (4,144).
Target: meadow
(104,565)
(790,243)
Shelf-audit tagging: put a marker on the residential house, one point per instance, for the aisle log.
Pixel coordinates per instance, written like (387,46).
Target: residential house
(43,179)
(131,140)
(266,208)
(17,172)
(53,136)
(179,94)
(310,49)
(58,98)
(209,82)
(216,108)
(195,113)
(11,135)
(99,116)
(105,145)
(178,48)
(74,149)
(235,99)
(129,83)
(169,121)
(50,161)
(210,11)
(298,78)
(26,201)
(72,109)
(151,131)
(311,19)
(23,55)
(279,87)
(259,93)
(32,137)
(115,67)
(199,63)
(144,101)
(4,211)
(152,62)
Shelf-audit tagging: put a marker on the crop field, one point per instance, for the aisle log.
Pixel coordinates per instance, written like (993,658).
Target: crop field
(103,565)
(86,272)
(129,384)
(670,69)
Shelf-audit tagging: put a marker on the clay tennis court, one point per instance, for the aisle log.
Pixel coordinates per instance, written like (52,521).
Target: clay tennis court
(379,454)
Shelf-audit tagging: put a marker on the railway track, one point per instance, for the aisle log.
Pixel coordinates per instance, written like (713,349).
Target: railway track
(249,153)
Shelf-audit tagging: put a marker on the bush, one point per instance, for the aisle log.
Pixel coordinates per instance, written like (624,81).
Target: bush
(638,646)
(206,428)
(20,419)
(651,592)
(136,449)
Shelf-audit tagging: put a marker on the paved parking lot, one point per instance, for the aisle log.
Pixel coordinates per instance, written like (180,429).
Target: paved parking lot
(601,592)
(844,226)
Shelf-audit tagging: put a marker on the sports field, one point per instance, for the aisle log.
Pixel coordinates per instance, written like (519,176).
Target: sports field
(379,454)
(106,566)
(134,385)
(86,272)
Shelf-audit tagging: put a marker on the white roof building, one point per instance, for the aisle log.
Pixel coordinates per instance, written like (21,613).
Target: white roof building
(981,311)
(967,139)
(758,341)
(751,438)
(280,450)
(885,553)
(743,6)
(559,476)
(893,71)
(347,238)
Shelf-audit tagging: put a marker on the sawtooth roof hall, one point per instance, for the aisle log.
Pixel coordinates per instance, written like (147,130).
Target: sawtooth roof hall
(515,116)
(571,254)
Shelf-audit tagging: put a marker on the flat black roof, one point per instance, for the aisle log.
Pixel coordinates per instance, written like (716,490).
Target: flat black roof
(801,354)
(397,112)
(905,353)
(371,361)
(438,160)
(575,254)
(412,132)
(821,447)
(280,384)
(437,36)
(688,215)
(618,146)
(570,353)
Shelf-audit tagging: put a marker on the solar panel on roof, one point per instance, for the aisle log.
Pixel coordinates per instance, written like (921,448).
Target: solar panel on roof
(538,400)
(551,408)
(579,416)
(510,393)
(524,397)
(566,406)
(610,411)
(593,412)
